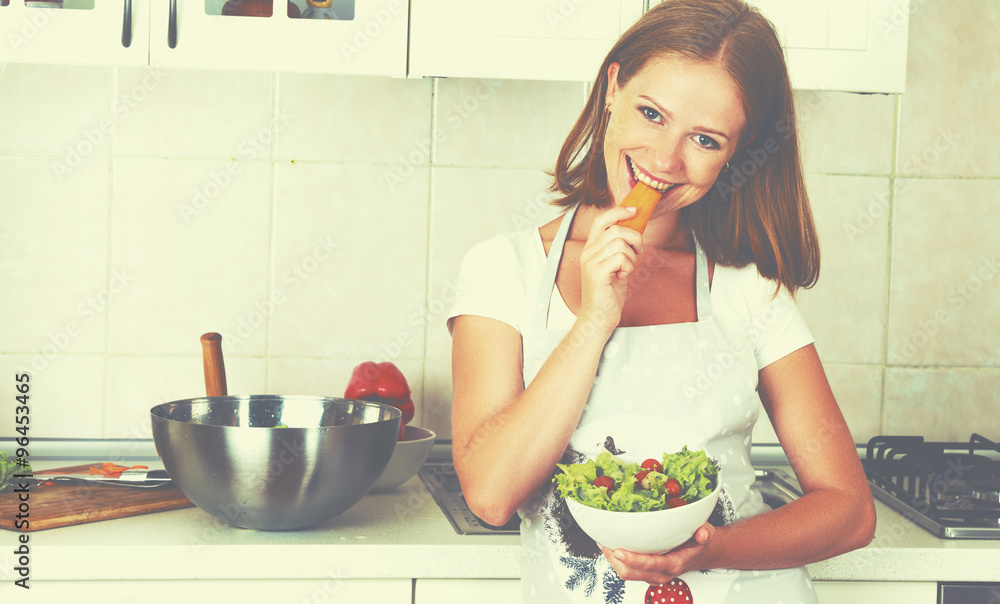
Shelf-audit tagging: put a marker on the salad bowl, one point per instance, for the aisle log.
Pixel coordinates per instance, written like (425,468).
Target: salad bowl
(644,532)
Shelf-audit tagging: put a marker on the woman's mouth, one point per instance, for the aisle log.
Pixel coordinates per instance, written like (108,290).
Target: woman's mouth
(639,176)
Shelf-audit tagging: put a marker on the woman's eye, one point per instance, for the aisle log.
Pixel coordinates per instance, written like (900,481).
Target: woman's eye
(706,141)
(650,114)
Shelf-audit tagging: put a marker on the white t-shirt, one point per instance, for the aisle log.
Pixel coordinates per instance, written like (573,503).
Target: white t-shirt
(499,279)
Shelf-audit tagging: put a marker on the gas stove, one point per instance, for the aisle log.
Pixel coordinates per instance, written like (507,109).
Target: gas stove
(952,489)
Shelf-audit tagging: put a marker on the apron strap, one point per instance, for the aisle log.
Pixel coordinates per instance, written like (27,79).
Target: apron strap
(702,292)
(548,280)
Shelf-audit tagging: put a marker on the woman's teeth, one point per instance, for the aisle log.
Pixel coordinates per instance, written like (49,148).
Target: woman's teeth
(641,177)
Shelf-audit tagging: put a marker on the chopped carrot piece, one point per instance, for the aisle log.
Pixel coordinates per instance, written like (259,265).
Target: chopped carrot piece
(112,470)
(644,198)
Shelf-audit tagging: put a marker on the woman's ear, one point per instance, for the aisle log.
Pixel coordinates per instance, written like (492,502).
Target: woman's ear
(612,84)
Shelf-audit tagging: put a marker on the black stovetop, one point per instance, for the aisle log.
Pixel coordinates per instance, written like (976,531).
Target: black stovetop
(952,489)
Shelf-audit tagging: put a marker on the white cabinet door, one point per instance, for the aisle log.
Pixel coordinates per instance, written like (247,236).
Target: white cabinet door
(875,592)
(368,37)
(480,591)
(849,45)
(97,32)
(515,39)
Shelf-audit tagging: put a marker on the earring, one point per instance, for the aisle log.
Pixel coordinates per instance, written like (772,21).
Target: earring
(725,168)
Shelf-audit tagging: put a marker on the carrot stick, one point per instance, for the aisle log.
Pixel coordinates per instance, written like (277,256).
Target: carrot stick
(644,198)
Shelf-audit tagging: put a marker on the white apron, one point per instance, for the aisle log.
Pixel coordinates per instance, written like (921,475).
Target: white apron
(657,388)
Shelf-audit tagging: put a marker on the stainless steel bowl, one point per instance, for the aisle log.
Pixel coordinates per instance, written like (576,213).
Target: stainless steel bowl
(274,462)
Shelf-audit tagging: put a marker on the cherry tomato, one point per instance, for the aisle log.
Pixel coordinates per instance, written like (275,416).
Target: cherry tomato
(652,464)
(676,502)
(640,476)
(673,487)
(604,481)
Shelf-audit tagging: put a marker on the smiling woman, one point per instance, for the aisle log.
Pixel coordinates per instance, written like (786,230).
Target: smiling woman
(586,336)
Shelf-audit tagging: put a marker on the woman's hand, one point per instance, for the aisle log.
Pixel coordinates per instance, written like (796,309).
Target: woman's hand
(605,263)
(657,569)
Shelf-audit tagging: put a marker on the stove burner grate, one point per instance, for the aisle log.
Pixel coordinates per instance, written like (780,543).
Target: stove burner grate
(951,489)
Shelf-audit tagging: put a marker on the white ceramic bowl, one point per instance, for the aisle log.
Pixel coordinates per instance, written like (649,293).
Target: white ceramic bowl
(644,532)
(406,458)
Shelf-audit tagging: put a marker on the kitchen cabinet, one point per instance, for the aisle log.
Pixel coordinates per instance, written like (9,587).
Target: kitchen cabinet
(369,37)
(875,592)
(849,45)
(516,39)
(481,591)
(95,32)
(332,589)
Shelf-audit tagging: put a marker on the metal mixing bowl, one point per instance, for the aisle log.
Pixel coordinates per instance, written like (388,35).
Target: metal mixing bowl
(274,462)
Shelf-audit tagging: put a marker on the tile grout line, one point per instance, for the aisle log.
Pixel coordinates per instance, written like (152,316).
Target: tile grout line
(427,255)
(886,313)
(112,166)
(272,231)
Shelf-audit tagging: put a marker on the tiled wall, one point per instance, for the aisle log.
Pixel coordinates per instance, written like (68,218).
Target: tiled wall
(318,221)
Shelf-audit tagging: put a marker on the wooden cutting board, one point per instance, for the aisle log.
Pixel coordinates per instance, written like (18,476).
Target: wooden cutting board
(56,505)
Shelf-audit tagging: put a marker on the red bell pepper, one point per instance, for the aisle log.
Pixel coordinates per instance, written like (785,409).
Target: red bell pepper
(383,383)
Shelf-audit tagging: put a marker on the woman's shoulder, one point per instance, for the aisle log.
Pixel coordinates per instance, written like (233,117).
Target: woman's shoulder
(743,291)
(510,253)
(742,282)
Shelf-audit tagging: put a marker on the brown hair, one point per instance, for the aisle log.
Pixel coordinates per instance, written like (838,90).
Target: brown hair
(758,209)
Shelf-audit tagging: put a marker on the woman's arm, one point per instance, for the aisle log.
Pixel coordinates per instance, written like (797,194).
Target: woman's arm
(507,439)
(836,513)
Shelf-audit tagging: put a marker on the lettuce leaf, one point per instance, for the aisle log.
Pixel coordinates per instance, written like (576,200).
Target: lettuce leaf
(695,472)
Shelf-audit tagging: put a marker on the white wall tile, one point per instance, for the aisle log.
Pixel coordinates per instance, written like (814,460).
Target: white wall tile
(53,256)
(945,290)
(55,109)
(194,235)
(846,308)
(350,118)
(437,397)
(65,396)
(349,264)
(942,404)
(471,205)
(137,384)
(951,80)
(503,123)
(846,133)
(193,114)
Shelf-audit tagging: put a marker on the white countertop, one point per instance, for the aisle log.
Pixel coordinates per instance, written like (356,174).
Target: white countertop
(403,534)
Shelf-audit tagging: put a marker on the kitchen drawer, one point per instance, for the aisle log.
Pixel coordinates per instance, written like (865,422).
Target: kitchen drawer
(335,590)
(875,592)
(480,591)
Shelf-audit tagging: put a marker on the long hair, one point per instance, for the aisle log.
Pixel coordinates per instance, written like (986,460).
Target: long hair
(758,210)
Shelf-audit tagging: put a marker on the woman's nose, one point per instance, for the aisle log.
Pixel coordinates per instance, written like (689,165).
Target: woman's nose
(668,158)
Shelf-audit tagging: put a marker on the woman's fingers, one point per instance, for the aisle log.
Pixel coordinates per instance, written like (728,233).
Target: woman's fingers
(605,227)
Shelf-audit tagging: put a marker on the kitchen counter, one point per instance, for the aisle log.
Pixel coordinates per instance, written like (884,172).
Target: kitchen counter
(403,534)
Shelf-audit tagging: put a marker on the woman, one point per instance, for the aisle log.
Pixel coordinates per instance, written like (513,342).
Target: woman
(585,333)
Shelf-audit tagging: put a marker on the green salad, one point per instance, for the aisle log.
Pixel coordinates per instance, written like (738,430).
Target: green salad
(609,483)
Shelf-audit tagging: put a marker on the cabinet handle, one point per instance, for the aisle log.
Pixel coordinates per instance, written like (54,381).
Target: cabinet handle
(172,25)
(127,25)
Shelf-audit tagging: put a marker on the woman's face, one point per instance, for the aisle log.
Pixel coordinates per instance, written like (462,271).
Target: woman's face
(674,125)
